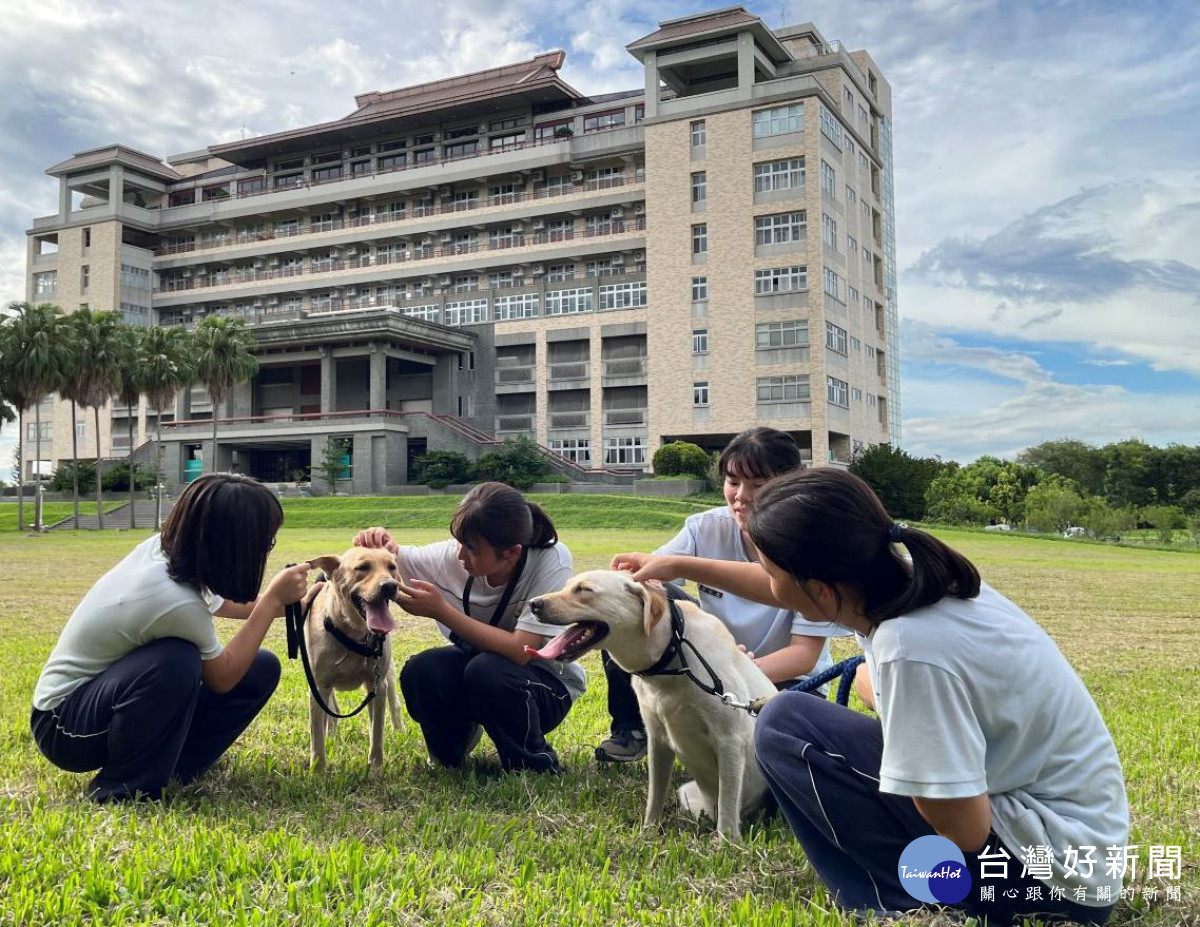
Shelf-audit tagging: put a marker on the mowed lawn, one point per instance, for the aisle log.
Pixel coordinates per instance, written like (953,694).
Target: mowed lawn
(261,841)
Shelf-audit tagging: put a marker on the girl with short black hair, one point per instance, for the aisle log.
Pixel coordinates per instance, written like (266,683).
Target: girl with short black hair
(504,551)
(138,686)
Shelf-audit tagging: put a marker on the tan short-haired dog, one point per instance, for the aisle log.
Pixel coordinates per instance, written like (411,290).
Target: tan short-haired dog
(714,740)
(361,585)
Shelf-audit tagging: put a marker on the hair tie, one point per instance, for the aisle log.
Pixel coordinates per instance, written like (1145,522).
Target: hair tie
(894,532)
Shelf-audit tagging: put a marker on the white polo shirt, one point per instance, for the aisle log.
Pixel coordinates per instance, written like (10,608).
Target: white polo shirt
(975,697)
(761,629)
(134,603)
(547,569)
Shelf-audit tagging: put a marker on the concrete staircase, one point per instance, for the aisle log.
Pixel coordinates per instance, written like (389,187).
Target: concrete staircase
(117,519)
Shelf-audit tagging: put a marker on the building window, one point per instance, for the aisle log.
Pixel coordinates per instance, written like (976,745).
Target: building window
(466,283)
(828,180)
(424,313)
(467,312)
(699,133)
(853,295)
(871,400)
(849,95)
(699,289)
(770,176)
(524,306)
(700,394)
(508,142)
(599,267)
(790,334)
(829,232)
(864,119)
(85,278)
(699,186)
(569,302)
(833,284)
(547,131)
(625,451)
(835,338)
(504,193)
(780,279)
(623,295)
(851,196)
(700,238)
(87,239)
(460,149)
(557,272)
(600,121)
(839,392)
(792,388)
(700,341)
(45,283)
(778,120)
(505,237)
(831,128)
(34,431)
(852,245)
(780,229)
(578,450)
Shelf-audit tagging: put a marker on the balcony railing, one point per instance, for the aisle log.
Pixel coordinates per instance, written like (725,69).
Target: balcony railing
(569,419)
(257,275)
(507,375)
(514,423)
(388,218)
(628,367)
(624,416)
(302,183)
(572,371)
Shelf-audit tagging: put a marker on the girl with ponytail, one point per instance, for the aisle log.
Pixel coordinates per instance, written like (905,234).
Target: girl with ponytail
(985,736)
(504,551)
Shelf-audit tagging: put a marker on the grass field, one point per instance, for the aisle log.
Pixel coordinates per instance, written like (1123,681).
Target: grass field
(260,841)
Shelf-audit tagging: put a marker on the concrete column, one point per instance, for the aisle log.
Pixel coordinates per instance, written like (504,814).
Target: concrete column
(651,64)
(64,199)
(745,52)
(116,186)
(362,466)
(378,398)
(328,381)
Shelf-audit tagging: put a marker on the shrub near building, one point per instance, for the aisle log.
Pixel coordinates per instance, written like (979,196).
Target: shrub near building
(681,458)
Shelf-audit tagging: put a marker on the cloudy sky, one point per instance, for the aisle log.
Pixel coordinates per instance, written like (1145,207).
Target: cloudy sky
(1047,161)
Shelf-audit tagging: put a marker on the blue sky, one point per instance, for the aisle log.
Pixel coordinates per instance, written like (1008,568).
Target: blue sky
(1047,164)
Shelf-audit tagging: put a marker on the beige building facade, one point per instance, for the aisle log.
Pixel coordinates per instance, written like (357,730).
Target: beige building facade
(498,254)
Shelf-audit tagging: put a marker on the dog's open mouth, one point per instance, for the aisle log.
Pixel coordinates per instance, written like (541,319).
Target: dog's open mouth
(573,643)
(376,613)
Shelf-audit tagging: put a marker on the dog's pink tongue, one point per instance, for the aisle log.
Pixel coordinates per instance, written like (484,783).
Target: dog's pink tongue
(552,650)
(379,619)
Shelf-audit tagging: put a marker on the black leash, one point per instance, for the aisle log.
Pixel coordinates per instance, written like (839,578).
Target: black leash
(294,618)
(505,598)
(675,649)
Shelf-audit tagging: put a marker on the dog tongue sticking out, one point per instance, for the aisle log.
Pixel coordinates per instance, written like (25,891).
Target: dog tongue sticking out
(379,618)
(572,643)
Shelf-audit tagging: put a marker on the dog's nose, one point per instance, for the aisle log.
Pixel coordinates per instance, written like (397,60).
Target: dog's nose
(389,588)
(536,606)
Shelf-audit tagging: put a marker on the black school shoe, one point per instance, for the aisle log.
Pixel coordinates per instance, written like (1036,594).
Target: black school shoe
(623,747)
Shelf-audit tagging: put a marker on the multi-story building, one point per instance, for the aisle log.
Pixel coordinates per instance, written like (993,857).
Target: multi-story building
(497,254)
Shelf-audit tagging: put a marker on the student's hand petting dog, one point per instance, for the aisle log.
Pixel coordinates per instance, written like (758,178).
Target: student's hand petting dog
(645,567)
(288,585)
(376,537)
(420,598)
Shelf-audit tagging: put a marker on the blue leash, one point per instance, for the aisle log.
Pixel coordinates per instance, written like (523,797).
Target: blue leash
(845,669)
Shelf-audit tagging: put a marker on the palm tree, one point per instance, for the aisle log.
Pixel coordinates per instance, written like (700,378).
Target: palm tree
(35,354)
(97,343)
(223,361)
(72,384)
(167,366)
(130,391)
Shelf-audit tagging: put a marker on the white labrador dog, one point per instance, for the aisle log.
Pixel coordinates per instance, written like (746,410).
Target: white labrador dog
(714,741)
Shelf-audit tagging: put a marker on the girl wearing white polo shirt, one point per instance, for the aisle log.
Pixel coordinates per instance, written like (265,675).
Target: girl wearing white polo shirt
(784,644)
(985,735)
(477,586)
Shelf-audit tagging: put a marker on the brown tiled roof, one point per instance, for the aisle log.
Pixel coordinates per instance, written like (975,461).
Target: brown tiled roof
(114,154)
(539,76)
(697,25)
(455,89)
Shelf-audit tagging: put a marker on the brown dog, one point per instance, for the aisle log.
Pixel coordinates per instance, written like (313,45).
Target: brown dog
(361,584)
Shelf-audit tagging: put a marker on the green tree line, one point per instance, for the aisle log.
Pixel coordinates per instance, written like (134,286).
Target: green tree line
(1054,486)
(90,358)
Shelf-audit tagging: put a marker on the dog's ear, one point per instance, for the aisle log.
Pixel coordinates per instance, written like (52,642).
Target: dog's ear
(654,605)
(328,564)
